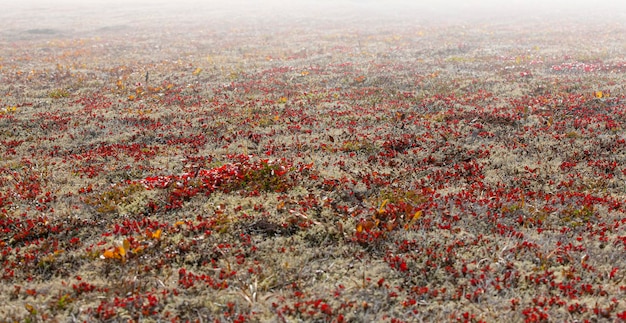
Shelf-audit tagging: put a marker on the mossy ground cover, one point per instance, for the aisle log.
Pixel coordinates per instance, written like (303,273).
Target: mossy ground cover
(313,170)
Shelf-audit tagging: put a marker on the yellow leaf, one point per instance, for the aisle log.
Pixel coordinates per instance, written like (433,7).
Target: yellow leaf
(415,217)
(197,71)
(121,251)
(598,94)
(179,223)
(381,209)
(282,99)
(125,246)
(156,234)
(108,254)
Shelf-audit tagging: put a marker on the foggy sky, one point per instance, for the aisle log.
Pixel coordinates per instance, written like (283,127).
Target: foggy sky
(79,14)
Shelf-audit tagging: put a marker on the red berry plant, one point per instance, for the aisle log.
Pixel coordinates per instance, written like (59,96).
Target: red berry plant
(311,168)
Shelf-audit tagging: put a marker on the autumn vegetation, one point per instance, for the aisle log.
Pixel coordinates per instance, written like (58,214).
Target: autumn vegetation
(313,170)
